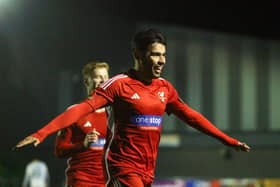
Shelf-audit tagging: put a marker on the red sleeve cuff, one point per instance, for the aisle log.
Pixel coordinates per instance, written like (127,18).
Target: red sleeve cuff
(232,141)
(36,135)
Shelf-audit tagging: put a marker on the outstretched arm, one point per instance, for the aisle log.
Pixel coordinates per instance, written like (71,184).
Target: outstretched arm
(199,122)
(64,120)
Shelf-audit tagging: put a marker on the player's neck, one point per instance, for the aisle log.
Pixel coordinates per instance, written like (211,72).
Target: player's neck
(141,76)
(90,91)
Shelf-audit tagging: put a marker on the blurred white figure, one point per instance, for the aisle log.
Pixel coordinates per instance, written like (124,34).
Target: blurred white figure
(36,174)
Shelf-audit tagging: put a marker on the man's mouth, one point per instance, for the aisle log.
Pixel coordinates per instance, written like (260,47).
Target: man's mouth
(158,69)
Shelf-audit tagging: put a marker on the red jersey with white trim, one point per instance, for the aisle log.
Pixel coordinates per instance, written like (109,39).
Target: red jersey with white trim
(133,140)
(134,136)
(84,165)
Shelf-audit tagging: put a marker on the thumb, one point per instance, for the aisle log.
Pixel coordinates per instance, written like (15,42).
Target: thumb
(37,142)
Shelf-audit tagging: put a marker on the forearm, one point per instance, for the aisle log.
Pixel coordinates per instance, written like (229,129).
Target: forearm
(63,120)
(199,122)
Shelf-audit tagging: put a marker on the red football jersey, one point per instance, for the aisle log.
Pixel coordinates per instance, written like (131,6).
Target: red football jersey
(84,165)
(133,140)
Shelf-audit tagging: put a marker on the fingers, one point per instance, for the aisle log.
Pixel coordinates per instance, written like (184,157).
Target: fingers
(246,146)
(95,132)
(93,136)
(36,143)
(243,147)
(26,141)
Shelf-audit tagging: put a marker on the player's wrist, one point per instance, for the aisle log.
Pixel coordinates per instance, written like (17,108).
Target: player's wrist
(37,136)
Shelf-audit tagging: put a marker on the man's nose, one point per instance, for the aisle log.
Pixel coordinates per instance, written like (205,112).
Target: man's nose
(162,60)
(102,80)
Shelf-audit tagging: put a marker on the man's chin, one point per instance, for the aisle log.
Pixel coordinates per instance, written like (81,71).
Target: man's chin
(156,75)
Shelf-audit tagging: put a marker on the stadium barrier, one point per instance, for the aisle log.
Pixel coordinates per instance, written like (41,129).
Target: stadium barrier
(224,182)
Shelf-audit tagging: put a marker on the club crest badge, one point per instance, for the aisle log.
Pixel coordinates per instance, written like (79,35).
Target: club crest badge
(161,96)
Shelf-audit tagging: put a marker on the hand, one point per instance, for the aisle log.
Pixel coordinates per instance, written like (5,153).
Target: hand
(91,137)
(26,141)
(241,146)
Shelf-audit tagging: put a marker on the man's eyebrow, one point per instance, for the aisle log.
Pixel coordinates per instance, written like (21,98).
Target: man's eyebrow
(157,53)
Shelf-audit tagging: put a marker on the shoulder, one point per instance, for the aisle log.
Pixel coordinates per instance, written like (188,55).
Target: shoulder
(71,106)
(117,79)
(163,82)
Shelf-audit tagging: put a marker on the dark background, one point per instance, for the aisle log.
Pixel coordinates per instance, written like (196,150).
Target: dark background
(41,39)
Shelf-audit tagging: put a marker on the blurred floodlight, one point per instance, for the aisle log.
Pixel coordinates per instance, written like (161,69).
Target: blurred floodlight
(4,5)
(8,7)
(4,1)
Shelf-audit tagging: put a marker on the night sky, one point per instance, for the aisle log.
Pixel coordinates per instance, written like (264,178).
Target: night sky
(259,19)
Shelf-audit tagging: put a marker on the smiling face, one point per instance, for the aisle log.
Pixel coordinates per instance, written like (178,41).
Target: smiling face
(151,62)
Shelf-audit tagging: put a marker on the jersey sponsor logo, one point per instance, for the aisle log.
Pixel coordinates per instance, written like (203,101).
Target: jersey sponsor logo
(87,124)
(135,96)
(146,120)
(98,145)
